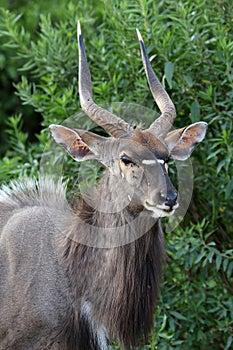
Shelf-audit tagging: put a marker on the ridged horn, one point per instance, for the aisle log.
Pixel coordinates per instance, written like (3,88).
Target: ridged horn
(161,125)
(114,126)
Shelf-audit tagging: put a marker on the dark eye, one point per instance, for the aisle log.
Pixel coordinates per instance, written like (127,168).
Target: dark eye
(126,160)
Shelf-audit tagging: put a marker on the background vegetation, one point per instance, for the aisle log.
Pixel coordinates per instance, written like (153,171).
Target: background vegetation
(190,45)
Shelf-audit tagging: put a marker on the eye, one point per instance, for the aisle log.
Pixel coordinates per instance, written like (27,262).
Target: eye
(126,160)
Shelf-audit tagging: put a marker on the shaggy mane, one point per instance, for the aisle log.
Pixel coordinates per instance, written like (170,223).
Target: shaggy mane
(31,192)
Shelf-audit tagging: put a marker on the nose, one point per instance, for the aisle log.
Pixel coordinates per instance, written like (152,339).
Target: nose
(169,198)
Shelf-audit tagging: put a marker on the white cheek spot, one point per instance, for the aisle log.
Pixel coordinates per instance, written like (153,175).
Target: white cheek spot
(122,175)
(148,161)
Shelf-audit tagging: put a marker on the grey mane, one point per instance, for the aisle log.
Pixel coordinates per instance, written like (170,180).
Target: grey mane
(44,192)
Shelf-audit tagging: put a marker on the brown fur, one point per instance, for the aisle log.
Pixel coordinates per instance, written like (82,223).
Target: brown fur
(121,283)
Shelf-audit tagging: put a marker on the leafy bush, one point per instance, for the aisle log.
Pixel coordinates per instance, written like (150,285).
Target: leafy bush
(191,49)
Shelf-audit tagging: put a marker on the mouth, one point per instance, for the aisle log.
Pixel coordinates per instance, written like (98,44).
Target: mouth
(161,210)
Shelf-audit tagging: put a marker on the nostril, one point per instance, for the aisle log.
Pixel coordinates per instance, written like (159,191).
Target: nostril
(169,198)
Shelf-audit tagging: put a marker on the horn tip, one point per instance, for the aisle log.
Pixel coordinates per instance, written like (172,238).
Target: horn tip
(139,35)
(79,33)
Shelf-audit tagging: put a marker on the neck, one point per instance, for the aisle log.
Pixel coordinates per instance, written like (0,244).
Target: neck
(120,282)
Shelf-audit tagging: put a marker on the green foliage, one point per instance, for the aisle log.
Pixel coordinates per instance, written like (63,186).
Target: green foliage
(195,294)
(190,47)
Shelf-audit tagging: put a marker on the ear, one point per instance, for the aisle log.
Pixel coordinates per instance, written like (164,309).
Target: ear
(80,144)
(182,142)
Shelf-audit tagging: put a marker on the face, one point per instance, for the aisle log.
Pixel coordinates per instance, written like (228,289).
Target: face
(142,165)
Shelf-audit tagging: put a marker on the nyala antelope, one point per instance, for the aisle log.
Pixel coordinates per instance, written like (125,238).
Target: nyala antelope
(65,282)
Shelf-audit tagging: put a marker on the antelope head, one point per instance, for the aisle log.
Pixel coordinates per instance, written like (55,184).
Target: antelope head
(137,159)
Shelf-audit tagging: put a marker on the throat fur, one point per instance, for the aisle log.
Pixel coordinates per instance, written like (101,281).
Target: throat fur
(120,284)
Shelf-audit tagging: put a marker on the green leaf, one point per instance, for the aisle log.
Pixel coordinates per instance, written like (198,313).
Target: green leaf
(169,70)
(210,256)
(163,323)
(229,270)
(229,342)
(218,262)
(211,284)
(195,112)
(221,165)
(178,315)
(200,256)
(225,264)
(188,80)
(166,335)
(229,189)
(205,96)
